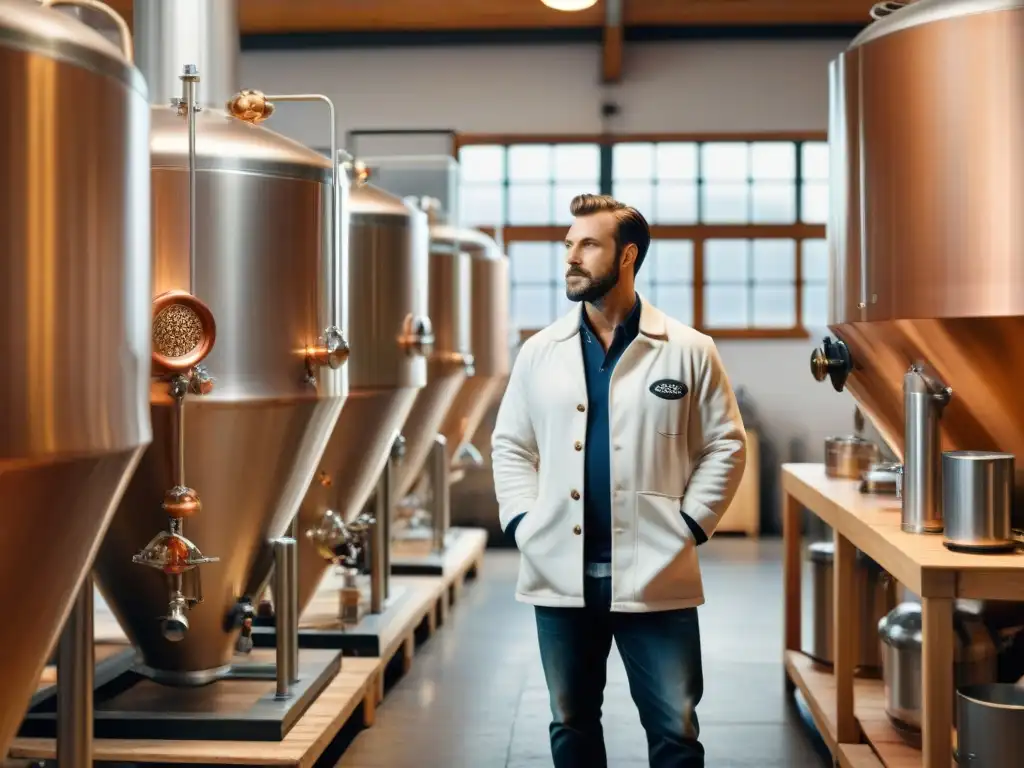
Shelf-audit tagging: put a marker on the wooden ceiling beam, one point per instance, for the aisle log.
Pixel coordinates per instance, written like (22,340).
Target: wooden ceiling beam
(612,42)
(325,16)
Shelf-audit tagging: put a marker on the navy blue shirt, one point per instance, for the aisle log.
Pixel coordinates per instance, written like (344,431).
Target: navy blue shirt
(598,366)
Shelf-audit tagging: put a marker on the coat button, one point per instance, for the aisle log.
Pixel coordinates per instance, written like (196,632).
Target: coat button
(578,445)
(575,495)
(577,530)
(581,407)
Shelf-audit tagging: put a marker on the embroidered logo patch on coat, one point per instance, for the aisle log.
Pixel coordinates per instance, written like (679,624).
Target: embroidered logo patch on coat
(668,389)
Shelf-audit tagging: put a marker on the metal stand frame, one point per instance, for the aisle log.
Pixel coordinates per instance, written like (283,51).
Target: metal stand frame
(441,532)
(67,710)
(75,682)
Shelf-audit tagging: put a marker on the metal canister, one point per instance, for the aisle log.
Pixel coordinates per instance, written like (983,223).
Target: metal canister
(849,457)
(876,595)
(977,498)
(991,725)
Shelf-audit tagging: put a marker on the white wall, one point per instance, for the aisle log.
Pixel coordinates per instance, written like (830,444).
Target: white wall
(669,87)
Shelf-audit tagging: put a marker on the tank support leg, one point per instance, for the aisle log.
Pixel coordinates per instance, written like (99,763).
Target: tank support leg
(441,500)
(75,669)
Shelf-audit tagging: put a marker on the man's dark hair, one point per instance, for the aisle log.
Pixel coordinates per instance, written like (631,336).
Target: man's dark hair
(632,227)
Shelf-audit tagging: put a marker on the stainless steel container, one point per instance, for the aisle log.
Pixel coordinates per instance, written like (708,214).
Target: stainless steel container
(450,364)
(924,398)
(875,597)
(264,266)
(975,655)
(849,457)
(883,479)
(74,319)
(991,726)
(389,249)
(977,497)
(489,326)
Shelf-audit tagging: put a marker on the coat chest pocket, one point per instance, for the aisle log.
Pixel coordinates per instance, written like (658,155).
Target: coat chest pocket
(668,400)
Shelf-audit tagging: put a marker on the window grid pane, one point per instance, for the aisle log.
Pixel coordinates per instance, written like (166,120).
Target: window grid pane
(731,182)
(537,286)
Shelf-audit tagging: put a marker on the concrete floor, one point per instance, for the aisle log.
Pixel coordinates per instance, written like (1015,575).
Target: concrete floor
(476,698)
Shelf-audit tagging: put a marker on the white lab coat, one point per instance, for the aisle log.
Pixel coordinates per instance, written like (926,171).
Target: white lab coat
(668,454)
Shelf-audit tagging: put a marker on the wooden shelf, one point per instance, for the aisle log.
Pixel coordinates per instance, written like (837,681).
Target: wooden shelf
(922,564)
(919,562)
(883,746)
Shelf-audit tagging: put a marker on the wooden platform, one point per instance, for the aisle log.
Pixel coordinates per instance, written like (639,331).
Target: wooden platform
(361,681)
(818,686)
(923,565)
(354,685)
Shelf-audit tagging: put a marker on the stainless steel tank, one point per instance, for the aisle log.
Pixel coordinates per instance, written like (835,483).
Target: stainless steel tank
(388,261)
(450,363)
(926,126)
(490,341)
(263,266)
(74,319)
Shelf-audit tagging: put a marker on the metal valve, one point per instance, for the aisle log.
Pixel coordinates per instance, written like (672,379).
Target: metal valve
(201,382)
(174,555)
(417,336)
(832,360)
(398,448)
(329,535)
(174,625)
(331,351)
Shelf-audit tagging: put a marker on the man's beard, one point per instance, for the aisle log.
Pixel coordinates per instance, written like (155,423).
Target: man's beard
(597,287)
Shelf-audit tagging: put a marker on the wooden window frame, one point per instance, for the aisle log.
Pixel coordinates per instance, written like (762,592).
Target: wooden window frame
(698,234)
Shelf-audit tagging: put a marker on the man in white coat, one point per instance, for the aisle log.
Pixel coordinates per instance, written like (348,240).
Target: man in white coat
(617,448)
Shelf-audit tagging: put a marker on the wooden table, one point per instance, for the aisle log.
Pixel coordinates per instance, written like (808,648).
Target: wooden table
(847,710)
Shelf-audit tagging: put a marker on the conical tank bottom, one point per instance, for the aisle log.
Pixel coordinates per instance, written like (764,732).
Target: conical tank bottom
(351,465)
(982,359)
(475,396)
(250,462)
(424,423)
(51,521)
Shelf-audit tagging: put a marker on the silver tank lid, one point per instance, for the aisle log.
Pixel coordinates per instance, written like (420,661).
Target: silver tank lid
(916,14)
(224,143)
(472,241)
(28,26)
(367,201)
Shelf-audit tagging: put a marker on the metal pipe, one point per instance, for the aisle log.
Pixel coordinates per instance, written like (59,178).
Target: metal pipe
(75,667)
(378,543)
(286,601)
(440,513)
(924,398)
(189,87)
(338,237)
(170,33)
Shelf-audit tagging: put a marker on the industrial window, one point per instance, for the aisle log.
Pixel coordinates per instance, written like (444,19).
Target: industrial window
(738,222)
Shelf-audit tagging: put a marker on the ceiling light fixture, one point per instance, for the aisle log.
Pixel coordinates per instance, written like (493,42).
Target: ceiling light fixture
(569,5)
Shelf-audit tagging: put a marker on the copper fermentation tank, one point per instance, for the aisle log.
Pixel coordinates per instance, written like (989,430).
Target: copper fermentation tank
(74,319)
(925,232)
(450,364)
(264,268)
(489,326)
(388,253)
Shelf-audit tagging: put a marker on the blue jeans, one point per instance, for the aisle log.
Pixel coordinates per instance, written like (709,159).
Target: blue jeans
(661,653)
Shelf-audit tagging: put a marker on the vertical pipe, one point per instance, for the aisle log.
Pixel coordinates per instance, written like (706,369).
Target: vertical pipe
(190,83)
(923,401)
(441,505)
(379,542)
(75,665)
(286,600)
